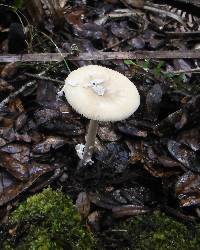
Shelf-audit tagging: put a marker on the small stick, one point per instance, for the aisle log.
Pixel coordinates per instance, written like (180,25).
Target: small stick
(101,56)
(40,77)
(190,34)
(167,13)
(16,93)
(196,70)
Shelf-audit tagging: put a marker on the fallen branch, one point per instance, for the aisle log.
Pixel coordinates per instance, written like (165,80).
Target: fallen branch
(101,56)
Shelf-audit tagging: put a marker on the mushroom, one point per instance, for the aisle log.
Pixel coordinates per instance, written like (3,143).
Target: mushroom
(100,94)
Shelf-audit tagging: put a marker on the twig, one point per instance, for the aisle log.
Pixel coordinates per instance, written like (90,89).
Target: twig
(16,93)
(190,34)
(101,56)
(129,12)
(191,2)
(196,70)
(122,13)
(40,77)
(167,13)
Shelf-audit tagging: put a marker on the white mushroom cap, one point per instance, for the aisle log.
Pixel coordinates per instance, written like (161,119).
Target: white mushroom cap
(100,93)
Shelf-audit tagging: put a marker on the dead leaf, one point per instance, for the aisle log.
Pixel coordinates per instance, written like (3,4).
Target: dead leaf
(9,70)
(135,3)
(83,204)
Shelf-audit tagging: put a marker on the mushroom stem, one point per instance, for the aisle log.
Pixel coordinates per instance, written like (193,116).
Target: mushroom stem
(90,140)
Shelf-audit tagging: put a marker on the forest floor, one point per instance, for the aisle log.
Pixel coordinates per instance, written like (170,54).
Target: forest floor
(149,162)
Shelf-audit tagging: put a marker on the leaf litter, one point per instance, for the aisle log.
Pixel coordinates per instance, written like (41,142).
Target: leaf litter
(147,162)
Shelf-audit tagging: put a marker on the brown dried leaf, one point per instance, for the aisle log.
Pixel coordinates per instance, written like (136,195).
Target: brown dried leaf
(107,133)
(188,189)
(101,201)
(136,154)
(130,130)
(51,142)
(9,70)
(94,220)
(129,210)
(16,105)
(19,170)
(18,151)
(184,155)
(159,171)
(75,18)
(135,3)
(153,99)
(83,204)
(191,138)
(10,188)
(5,86)
(20,121)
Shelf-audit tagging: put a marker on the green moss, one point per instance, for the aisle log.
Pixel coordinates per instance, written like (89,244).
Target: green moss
(52,223)
(160,232)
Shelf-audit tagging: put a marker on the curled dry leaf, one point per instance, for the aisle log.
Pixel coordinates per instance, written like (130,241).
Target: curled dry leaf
(101,201)
(83,204)
(51,142)
(159,171)
(5,86)
(45,179)
(75,18)
(46,94)
(91,31)
(116,156)
(10,135)
(129,210)
(191,138)
(188,189)
(18,151)
(130,130)
(44,115)
(169,123)
(168,162)
(16,105)
(94,220)
(20,121)
(10,188)
(184,155)
(107,133)
(19,170)
(153,100)
(135,3)
(136,154)
(52,120)
(9,70)
(46,9)
(136,195)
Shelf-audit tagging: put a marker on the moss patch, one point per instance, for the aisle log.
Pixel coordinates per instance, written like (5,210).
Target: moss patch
(51,222)
(160,232)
